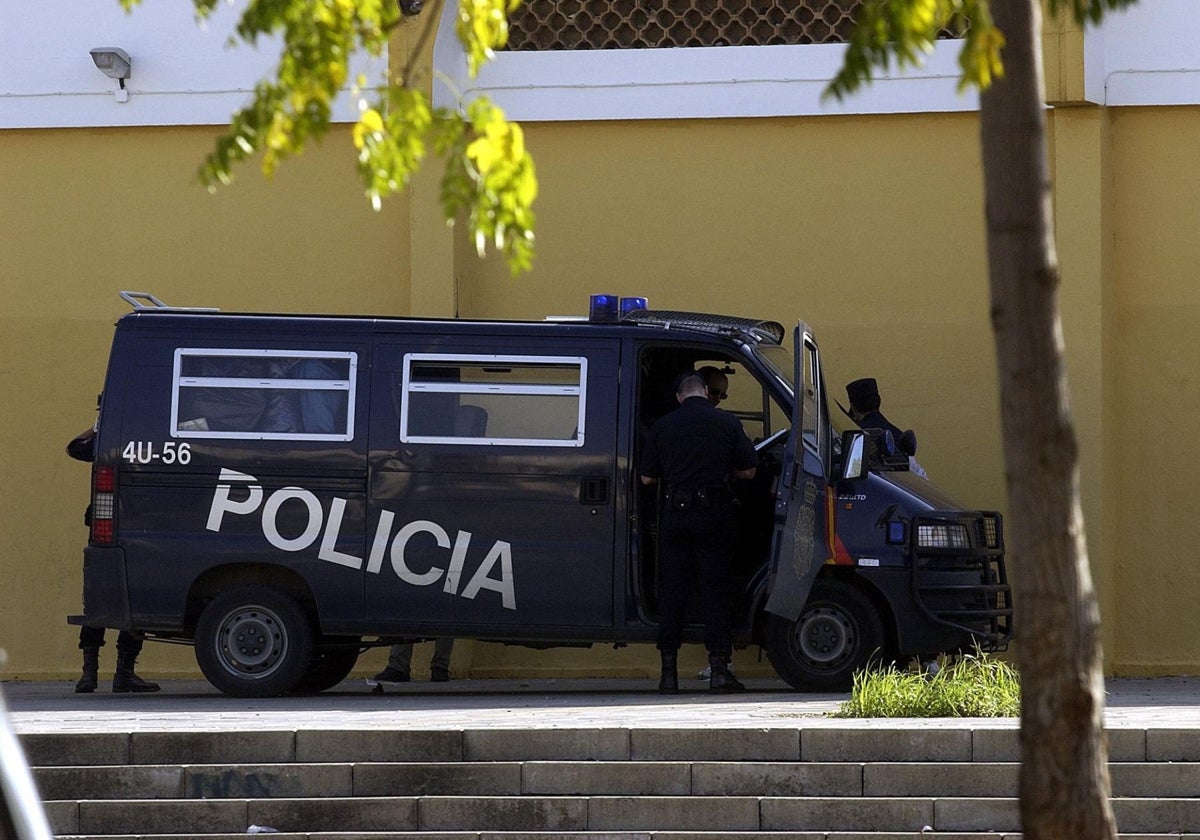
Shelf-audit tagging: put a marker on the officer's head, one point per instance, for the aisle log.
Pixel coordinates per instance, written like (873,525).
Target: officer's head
(716,383)
(690,384)
(864,395)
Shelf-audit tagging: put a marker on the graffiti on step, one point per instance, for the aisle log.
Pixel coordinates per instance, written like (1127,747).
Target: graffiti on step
(230,784)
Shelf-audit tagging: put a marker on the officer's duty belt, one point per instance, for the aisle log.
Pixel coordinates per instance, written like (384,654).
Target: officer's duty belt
(685,498)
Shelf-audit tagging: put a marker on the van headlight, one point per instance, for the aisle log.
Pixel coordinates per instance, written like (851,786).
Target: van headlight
(942,535)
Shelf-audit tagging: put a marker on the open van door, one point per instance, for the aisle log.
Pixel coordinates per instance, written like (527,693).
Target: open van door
(803,528)
(819,631)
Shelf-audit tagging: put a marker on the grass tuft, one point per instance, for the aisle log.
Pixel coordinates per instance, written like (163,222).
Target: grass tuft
(972,686)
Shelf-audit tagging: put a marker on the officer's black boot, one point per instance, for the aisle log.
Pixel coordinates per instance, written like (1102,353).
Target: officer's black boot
(127,682)
(668,683)
(91,668)
(722,680)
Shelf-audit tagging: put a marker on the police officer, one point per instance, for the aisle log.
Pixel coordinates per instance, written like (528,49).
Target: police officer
(865,404)
(124,681)
(399,667)
(693,452)
(91,639)
(716,382)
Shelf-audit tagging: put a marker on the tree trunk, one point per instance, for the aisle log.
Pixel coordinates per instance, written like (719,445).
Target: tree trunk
(1064,785)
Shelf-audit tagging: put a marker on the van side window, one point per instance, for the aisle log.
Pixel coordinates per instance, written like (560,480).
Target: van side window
(263,394)
(493,400)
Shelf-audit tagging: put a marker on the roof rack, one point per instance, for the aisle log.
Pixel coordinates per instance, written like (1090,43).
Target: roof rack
(769,331)
(145,300)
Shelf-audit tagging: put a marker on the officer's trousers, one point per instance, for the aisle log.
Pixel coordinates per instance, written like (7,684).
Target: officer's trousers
(697,542)
(93,637)
(400,656)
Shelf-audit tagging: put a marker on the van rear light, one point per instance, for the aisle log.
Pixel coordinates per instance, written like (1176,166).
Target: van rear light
(103,508)
(103,480)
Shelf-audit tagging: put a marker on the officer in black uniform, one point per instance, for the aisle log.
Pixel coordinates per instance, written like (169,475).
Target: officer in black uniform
(693,452)
(865,403)
(91,639)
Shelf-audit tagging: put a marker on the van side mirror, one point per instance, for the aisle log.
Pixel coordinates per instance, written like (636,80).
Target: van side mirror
(856,461)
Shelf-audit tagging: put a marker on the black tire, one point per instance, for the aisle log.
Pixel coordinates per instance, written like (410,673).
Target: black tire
(838,633)
(332,662)
(254,641)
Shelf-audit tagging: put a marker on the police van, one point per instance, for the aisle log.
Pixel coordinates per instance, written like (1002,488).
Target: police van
(284,491)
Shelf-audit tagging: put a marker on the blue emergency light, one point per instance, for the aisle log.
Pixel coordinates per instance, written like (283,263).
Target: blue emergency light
(603,308)
(632,304)
(608,308)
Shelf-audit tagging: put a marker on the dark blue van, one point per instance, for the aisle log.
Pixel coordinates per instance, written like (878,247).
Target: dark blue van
(283,491)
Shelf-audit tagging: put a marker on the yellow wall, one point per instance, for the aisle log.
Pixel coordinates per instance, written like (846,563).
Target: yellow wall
(86,213)
(1080,163)
(1155,358)
(869,228)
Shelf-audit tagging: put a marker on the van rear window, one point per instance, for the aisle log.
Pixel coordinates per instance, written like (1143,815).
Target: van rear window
(493,400)
(263,394)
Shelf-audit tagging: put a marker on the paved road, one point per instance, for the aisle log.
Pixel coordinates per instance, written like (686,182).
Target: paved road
(469,704)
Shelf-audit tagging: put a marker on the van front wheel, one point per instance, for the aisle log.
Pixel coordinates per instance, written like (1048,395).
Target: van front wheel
(838,632)
(254,642)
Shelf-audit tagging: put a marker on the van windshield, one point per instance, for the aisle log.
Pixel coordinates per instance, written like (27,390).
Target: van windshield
(780,362)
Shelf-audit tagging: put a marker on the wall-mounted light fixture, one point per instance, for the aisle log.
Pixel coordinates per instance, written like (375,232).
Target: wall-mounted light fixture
(115,63)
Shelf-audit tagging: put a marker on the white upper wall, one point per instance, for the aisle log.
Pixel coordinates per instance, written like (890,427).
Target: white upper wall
(1150,54)
(1145,55)
(182,74)
(185,74)
(688,82)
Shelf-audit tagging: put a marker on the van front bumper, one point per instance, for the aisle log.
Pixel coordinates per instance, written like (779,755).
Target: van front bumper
(105,590)
(959,575)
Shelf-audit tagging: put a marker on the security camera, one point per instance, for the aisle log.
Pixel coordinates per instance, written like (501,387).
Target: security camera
(113,62)
(410,7)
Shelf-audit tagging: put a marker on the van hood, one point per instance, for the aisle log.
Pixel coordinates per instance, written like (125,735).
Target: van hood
(924,493)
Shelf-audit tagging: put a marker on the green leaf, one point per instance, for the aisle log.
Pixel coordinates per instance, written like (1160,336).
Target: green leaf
(482,27)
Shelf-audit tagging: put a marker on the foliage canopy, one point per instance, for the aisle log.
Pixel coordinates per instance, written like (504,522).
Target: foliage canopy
(489,175)
(903,31)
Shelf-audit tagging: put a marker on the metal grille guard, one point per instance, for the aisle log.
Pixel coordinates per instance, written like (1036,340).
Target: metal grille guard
(963,586)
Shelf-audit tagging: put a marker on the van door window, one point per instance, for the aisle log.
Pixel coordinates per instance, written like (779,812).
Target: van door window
(263,394)
(815,420)
(493,400)
(493,483)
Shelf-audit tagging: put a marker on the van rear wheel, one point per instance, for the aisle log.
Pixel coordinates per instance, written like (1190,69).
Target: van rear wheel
(254,641)
(838,632)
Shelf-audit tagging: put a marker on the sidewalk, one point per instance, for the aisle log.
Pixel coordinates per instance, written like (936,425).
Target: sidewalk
(182,705)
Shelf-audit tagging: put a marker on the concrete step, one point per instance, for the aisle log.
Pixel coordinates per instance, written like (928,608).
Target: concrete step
(533,813)
(552,784)
(614,778)
(571,814)
(825,744)
(606,835)
(622,835)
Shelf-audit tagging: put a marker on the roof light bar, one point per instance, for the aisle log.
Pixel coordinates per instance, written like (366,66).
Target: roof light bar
(603,308)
